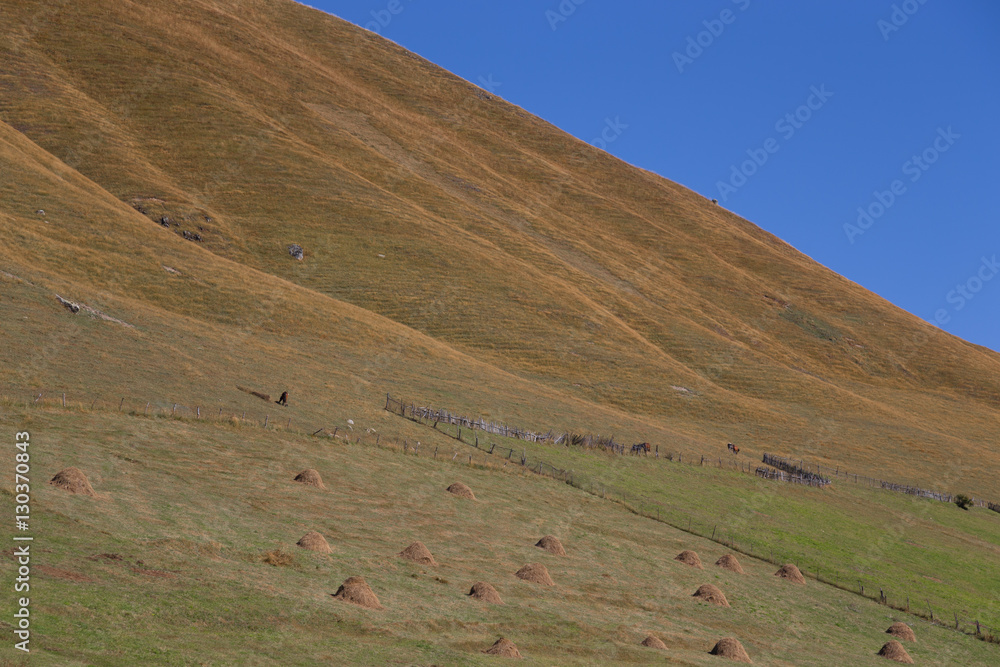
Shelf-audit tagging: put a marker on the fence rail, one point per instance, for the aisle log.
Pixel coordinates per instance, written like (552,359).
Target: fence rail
(794,471)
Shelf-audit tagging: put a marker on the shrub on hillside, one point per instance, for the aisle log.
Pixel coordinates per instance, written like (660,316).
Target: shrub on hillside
(963,501)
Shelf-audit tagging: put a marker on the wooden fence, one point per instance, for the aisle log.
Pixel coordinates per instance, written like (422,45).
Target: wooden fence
(440,416)
(781,475)
(794,472)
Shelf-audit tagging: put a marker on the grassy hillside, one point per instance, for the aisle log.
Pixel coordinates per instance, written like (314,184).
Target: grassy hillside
(157,160)
(165,566)
(424,200)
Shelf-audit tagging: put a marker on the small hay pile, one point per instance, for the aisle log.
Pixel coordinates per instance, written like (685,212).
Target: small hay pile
(551,544)
(73,480)
(535,573)
(791,573)
(418,553)
(689,558)
(311,478)
(654,642)
(483,591)
(461,490)
(313,541)
(504,648)
(893,650)
(730,647)
(357,591)
(729,562)
(277,558)
(902,631)
(710,593)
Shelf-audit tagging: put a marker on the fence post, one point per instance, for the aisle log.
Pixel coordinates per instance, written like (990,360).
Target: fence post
(198,409)
(266,417)
(289,425)
(146,409)
(64,399)
(387,401)
(119,405)
(173,410)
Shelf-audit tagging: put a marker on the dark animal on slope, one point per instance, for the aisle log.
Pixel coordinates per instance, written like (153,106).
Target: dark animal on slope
(641,448)
(284,399)
(733,448)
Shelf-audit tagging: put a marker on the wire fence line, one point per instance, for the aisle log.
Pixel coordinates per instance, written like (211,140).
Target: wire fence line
(687,521)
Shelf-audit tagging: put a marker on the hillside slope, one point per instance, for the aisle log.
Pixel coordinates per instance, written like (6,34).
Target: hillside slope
(556,285)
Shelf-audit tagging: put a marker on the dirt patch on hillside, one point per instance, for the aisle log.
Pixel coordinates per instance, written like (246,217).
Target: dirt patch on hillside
(654,642)
(689,558)
(418,553)
(60,573)
(357,591)
(729,562)
(551,544)
(893,650)
(73,480)
(313,541)
(536,574)
(504,648)
(710,593)
(902,631)
(483,591)
(259,394)
(731,648)
(791,573)
(462,491)
(310,477)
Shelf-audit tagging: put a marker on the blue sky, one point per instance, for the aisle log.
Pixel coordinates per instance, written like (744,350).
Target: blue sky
(793,114)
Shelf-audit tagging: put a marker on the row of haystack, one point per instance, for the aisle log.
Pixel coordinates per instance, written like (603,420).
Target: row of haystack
(357,591)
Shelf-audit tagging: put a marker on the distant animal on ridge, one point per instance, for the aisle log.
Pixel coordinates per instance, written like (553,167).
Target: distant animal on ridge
(284,399)
(733,448)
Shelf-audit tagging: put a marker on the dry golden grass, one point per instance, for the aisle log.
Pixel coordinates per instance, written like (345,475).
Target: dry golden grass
(598,286)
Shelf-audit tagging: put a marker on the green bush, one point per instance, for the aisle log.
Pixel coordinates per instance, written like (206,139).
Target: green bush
(963,501)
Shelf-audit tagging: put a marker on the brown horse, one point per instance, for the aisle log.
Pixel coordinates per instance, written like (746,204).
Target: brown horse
(641,448)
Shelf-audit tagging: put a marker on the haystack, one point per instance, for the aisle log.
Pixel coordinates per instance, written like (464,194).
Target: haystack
(551,544)
(710,593)
(731,648)
(418,553)
(893,650)
(73,480)
(689,558)
(505,648)
(313,541)
(310,477)
(791,573)
(536,574)
(357,591)
(729,562)
(654,642)
(483,591)
(902,631)
(462,491)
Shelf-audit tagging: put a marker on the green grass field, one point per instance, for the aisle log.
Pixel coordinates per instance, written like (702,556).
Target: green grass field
(190,507)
